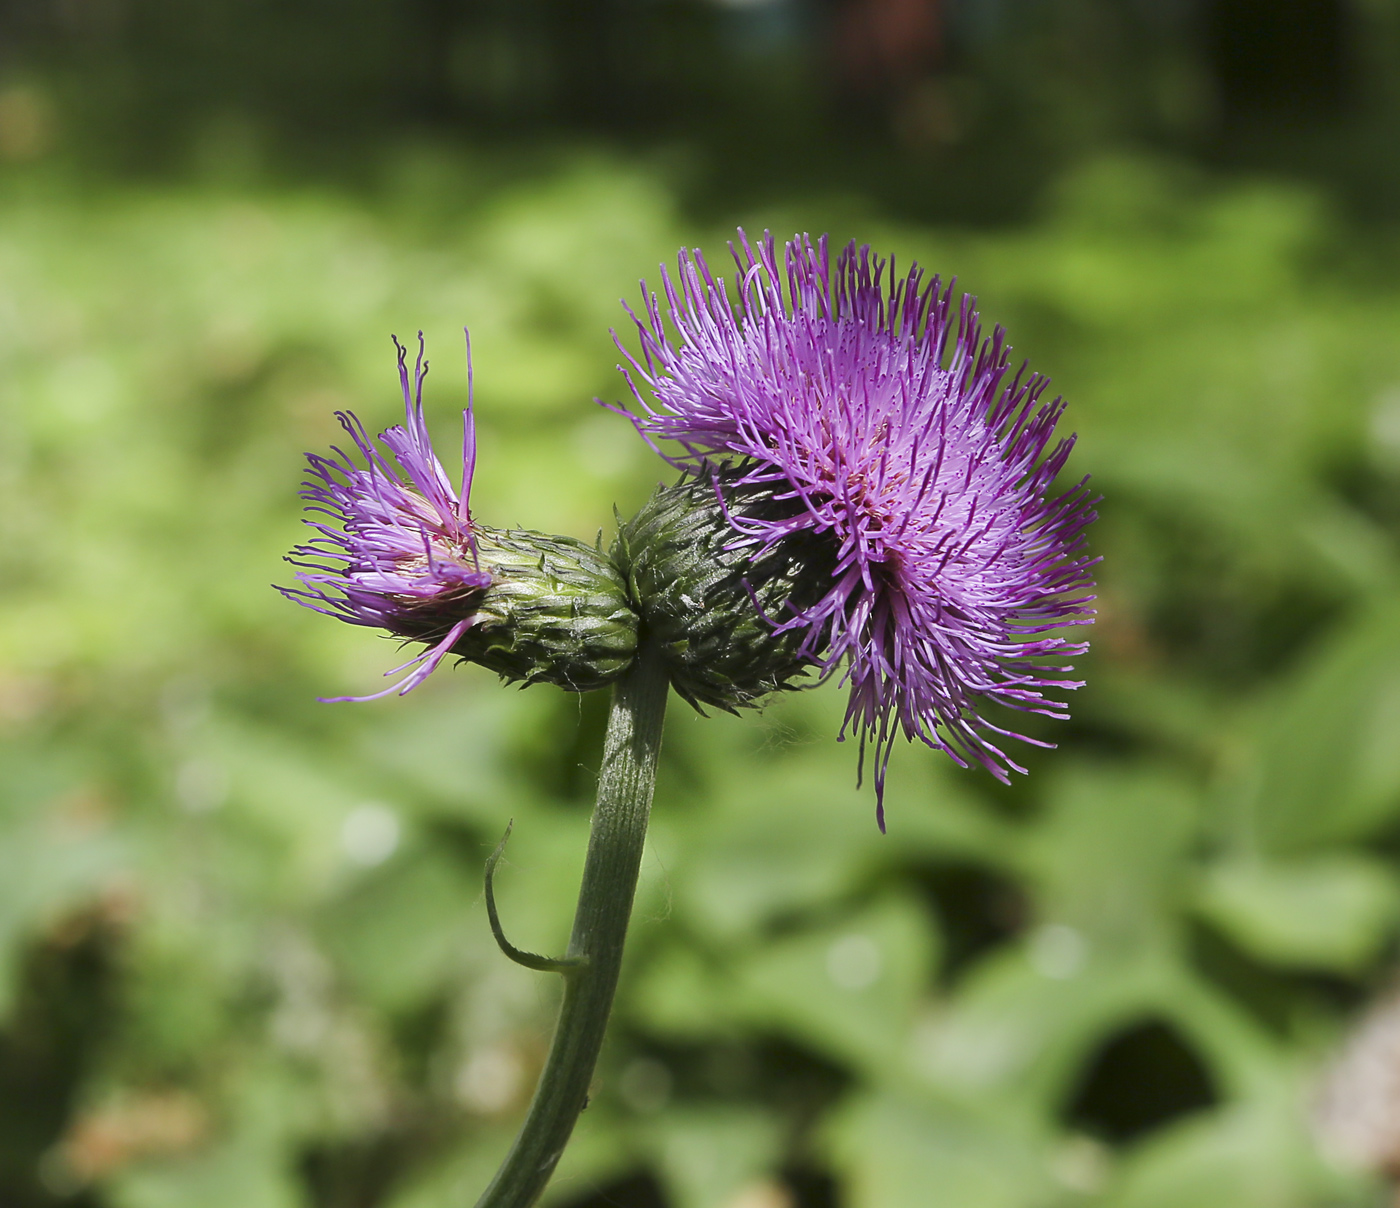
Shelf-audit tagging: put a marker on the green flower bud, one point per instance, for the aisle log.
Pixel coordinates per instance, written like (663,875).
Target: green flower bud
(556,612)
(713,607)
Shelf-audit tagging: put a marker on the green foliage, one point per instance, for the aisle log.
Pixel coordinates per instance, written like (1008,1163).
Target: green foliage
(291,997)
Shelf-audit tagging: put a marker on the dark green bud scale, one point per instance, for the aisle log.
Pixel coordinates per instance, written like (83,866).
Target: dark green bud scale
(712,607)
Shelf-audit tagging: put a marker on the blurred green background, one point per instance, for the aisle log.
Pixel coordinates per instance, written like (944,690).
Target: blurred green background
(244,960)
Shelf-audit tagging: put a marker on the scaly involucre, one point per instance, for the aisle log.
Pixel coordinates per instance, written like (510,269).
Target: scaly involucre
(831,390)
(400,554)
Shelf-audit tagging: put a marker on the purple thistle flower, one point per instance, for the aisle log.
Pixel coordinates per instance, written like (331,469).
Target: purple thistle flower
(402,555)
(830,389)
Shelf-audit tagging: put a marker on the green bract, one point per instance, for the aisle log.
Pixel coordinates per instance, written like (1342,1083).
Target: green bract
(557,612)
(715,609)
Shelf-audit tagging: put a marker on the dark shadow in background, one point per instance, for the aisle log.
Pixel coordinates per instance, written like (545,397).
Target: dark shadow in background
(1138,1080)
(53,1038)
(937,110)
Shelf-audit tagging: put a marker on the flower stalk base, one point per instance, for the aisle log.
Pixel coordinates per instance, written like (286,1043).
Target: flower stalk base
(594,957)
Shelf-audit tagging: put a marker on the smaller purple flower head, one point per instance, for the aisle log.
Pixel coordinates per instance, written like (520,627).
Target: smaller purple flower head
(397,549)
(829,388)
(403,537)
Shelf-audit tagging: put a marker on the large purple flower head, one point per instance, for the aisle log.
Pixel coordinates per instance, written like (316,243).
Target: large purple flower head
(929,474)
(397,549)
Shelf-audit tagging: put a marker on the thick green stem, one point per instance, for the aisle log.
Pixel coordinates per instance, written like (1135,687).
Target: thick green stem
(619,829)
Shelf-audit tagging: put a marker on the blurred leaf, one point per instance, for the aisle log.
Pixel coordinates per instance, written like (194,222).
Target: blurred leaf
(679,995)
(1328,762)
(1330,912)
(897,1153)
(1021,1023)
(235,1174)
(402,935)
(848,989)
(785,840)
(706,1156)
(787,828)
(1254,1152)
(1107,858)
(452,747)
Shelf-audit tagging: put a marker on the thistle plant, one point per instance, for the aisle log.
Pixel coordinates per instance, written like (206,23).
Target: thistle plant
(865,491)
